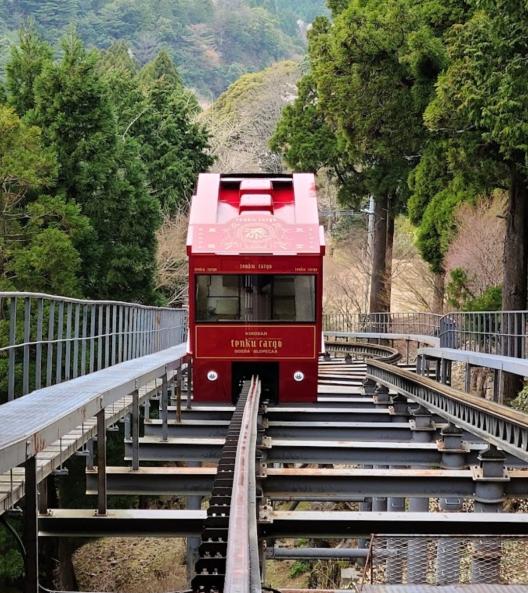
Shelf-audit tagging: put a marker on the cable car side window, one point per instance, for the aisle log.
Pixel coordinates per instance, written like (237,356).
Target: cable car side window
(255,298)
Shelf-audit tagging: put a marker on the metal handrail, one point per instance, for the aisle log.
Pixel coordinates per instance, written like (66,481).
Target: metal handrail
(54,297)
(384,323)
(46,339)
(503,333)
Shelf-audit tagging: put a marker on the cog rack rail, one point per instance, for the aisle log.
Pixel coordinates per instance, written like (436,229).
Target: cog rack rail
(228,554)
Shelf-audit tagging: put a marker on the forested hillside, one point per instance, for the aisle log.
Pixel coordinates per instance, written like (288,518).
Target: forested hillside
(422,106)
(212,42)
(94,151)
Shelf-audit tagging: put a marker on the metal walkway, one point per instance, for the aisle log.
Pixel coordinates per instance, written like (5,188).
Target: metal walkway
(35,421)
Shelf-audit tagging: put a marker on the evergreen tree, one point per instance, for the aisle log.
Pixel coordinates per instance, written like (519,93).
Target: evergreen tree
(38,234)
(369,81)
(101,172)
(481,106)
(27,62)
(173,146)
(119,71)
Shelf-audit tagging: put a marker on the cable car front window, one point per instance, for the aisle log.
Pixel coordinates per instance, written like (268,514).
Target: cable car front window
(254,298)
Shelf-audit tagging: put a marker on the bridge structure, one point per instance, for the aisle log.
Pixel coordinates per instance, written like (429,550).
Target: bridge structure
(408,473)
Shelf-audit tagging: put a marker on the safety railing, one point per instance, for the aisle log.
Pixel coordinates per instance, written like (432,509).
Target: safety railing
(425,324)
(46,339)
(490,332)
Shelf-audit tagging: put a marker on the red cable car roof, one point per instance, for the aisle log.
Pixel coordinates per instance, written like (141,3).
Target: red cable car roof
(262,215)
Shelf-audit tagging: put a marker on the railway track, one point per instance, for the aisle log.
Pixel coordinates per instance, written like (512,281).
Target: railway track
(228,553)
(495,423)
(362,350)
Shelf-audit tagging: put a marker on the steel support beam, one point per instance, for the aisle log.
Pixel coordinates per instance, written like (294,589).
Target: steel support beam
(312,483)
(371,431)
(356,452)
(31,563)
(177,449)
(286,414)
(121,523)
(279,524)
(277,553)
(101,464)
(338,524)
(161,481)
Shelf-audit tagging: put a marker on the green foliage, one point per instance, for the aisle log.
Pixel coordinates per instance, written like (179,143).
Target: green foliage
(213,43)
(437,225)
(489,300)
(337,6)
(302,135)
(11,561)
(298,568)
(35,231)
(50,263)
(460,296)
(360,108)
(521,401)
(28,60)
(114,145)
(484,86)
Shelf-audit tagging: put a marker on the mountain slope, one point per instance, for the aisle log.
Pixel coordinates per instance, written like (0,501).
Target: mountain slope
(213,42)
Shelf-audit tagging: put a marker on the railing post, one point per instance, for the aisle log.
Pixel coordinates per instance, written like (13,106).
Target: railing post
(38,348)
(178,388)
(101,463)
(27,338)
(135,430)
(12,352)
(189,382)
(164,408)
(467,378)
(31,581)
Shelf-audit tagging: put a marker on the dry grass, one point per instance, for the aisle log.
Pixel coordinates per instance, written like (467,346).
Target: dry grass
(131,565)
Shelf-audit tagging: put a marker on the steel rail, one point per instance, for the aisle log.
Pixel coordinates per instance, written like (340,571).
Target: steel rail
(500,425)
(242,576)
(228,555)
(375,351)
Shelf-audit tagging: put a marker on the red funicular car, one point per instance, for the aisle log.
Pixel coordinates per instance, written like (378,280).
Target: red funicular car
(255,286)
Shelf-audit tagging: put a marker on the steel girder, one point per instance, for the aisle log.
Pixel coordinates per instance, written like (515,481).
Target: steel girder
(338,524)
(372,431)
(346,452)
(319,484)
(291,414)
(120,523)
(278,524)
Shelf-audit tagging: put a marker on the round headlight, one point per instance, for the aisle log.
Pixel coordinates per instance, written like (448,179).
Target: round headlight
(298,376)
(212,375)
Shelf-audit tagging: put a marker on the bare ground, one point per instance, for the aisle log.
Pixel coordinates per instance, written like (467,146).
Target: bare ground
(131,565)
